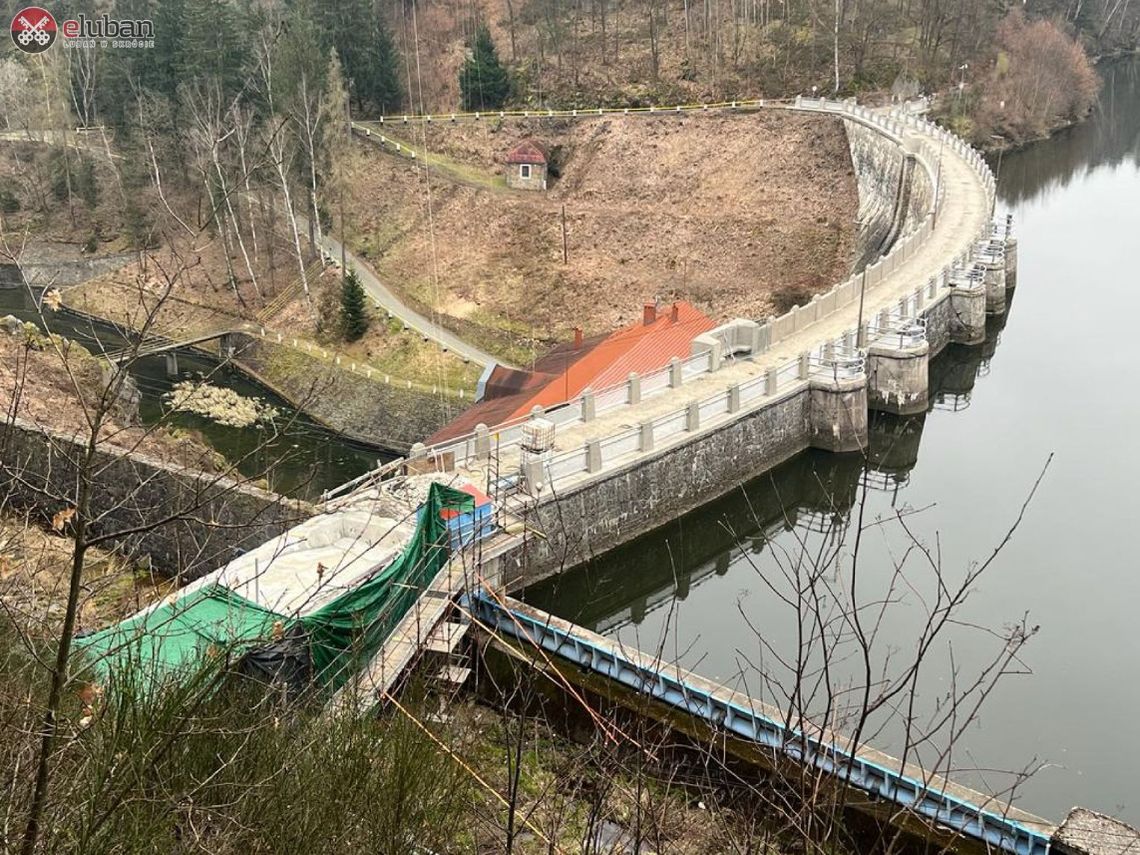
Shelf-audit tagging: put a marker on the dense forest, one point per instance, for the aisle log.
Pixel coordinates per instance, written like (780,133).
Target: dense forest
(417,56)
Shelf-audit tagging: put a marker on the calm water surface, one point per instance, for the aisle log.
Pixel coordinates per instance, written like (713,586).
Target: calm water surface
(1057,376)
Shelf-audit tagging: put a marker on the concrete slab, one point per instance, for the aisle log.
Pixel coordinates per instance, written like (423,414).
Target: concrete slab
(1086,832)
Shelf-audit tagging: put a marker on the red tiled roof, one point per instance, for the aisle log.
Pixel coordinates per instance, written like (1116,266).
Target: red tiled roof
(565,372)
(639,347)
(508,389)
(528,151)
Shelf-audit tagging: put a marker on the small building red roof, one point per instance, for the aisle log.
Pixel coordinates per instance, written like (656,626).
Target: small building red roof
(528,151)
(597,363)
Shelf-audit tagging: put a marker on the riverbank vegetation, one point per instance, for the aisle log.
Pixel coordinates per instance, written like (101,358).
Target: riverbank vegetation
(51,383)
(1041,80)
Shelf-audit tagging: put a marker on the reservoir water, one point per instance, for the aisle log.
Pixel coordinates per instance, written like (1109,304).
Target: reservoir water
(1055,383)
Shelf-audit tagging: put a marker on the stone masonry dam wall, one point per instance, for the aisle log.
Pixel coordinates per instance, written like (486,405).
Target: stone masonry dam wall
(591,518)
(895,192)
(184,521)
(763,391)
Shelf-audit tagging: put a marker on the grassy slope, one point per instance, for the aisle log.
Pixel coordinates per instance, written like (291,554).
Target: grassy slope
(721,210)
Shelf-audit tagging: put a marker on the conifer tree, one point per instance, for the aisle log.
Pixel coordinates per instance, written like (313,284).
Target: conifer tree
(483,80)
(367,56)
(353,311)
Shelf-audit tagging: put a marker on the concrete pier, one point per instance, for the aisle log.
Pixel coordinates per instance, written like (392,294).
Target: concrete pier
(171,363)
(1010,263)
(898,371)
(837,412)
(1087,832)
(968,308)
(994,276)
(995,285)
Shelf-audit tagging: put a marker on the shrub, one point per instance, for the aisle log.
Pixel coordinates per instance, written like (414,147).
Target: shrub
(1041,78)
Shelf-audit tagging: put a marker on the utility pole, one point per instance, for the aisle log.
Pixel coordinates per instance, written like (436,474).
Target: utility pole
(565,252)
(347,143)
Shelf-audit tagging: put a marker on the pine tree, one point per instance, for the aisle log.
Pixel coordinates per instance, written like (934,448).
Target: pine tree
(212,47)
(353,312)
(367,55)
(483,80)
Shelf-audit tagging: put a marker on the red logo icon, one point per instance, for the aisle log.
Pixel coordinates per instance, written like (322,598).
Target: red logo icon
(33,29)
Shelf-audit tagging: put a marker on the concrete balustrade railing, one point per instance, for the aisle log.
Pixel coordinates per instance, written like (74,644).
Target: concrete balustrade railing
(743,338)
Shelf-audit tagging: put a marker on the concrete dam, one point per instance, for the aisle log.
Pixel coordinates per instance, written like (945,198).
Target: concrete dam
(620,461)
(571,481)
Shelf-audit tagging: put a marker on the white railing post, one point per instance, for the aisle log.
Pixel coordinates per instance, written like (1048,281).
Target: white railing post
(633,387)
(646,436)
(593,455)
(589,405)
(693,416)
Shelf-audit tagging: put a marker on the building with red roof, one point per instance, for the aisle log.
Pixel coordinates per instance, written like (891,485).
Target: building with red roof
(595,363)
(527,164)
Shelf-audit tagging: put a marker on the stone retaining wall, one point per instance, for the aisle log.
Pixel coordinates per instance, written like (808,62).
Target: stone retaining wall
(61,274)
(193,521)
(371,411)
(634,499)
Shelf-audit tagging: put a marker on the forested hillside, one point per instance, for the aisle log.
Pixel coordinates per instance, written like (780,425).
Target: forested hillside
(412,56)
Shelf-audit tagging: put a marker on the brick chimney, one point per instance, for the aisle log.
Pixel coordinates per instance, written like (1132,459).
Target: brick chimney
(577,336)
(675,315)
(649,315)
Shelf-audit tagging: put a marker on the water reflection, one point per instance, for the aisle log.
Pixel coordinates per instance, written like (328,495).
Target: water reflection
(814,492)
(1109,138)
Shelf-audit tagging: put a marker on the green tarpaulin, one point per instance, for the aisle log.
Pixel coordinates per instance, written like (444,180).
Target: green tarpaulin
(335,640)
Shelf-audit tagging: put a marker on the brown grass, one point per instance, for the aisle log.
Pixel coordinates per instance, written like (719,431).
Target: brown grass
(718,209)
(56,384)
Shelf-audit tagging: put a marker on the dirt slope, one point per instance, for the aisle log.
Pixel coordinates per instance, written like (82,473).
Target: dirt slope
(724,210)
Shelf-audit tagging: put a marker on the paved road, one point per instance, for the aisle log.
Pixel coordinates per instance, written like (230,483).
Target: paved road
(384,298)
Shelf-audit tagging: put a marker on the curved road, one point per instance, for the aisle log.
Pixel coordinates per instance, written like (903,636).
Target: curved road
(384,298)
(380,294)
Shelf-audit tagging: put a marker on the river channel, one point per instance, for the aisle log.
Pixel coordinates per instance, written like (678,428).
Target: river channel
(1056,377)
(295,455)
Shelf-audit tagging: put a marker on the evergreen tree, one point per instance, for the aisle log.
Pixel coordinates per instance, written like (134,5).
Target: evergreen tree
(353,311)
(367,56)
(214,46)
(483,80)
